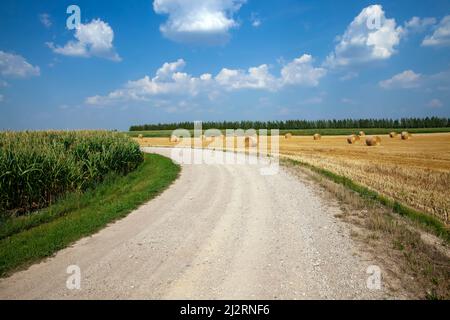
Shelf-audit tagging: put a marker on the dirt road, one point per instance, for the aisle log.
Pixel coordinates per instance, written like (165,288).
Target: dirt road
(220,232)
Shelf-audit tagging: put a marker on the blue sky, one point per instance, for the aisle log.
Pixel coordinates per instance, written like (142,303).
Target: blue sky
(145,61)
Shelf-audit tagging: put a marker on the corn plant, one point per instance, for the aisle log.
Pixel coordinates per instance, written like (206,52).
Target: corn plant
(36,168)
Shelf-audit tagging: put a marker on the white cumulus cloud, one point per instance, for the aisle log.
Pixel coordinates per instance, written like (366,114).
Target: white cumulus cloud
(15,65)
(254,78)
(441,35)
(435,103)
(302,72)
(255,20)
(370,37)
(405,80)
(45,20)
(198,21)
(437,82)
(92,39)
(169,82)
(417,24)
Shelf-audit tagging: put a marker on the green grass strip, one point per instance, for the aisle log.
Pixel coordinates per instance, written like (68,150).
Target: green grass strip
(29,239)
(429,222)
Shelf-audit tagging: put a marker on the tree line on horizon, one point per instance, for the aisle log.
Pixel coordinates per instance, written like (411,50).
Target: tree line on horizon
(404,123)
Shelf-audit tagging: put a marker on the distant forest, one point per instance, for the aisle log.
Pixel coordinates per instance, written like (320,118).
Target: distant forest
(404,123)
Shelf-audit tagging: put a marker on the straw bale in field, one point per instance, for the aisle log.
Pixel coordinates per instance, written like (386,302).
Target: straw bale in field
(352,139)
(250,142)
(393,134)
(406,135)
(373,141)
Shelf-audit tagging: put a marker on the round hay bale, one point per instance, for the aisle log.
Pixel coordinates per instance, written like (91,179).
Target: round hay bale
(140,136)
(373,141)
(250,142)
(362,134)
(393,134)
(352,139)
(317,137)
(288,135)
(174,138)
(406,135)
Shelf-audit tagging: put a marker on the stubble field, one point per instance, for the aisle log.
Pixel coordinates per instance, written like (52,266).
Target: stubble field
(415,172)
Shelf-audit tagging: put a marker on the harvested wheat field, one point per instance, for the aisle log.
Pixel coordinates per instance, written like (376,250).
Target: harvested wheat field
(415,172)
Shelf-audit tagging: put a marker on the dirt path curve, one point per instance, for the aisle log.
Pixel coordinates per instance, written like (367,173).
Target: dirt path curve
(219,232)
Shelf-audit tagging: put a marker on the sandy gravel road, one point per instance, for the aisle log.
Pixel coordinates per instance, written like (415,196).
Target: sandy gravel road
(219,232)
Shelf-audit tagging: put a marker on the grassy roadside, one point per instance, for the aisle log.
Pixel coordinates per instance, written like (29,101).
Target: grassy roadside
(428,222)
(28,239)
(414,264)
(302,132)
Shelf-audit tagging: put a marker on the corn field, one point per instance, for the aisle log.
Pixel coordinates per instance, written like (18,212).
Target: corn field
(36,168)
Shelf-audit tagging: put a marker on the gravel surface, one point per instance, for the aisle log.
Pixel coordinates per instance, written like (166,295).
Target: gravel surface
(219,232)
